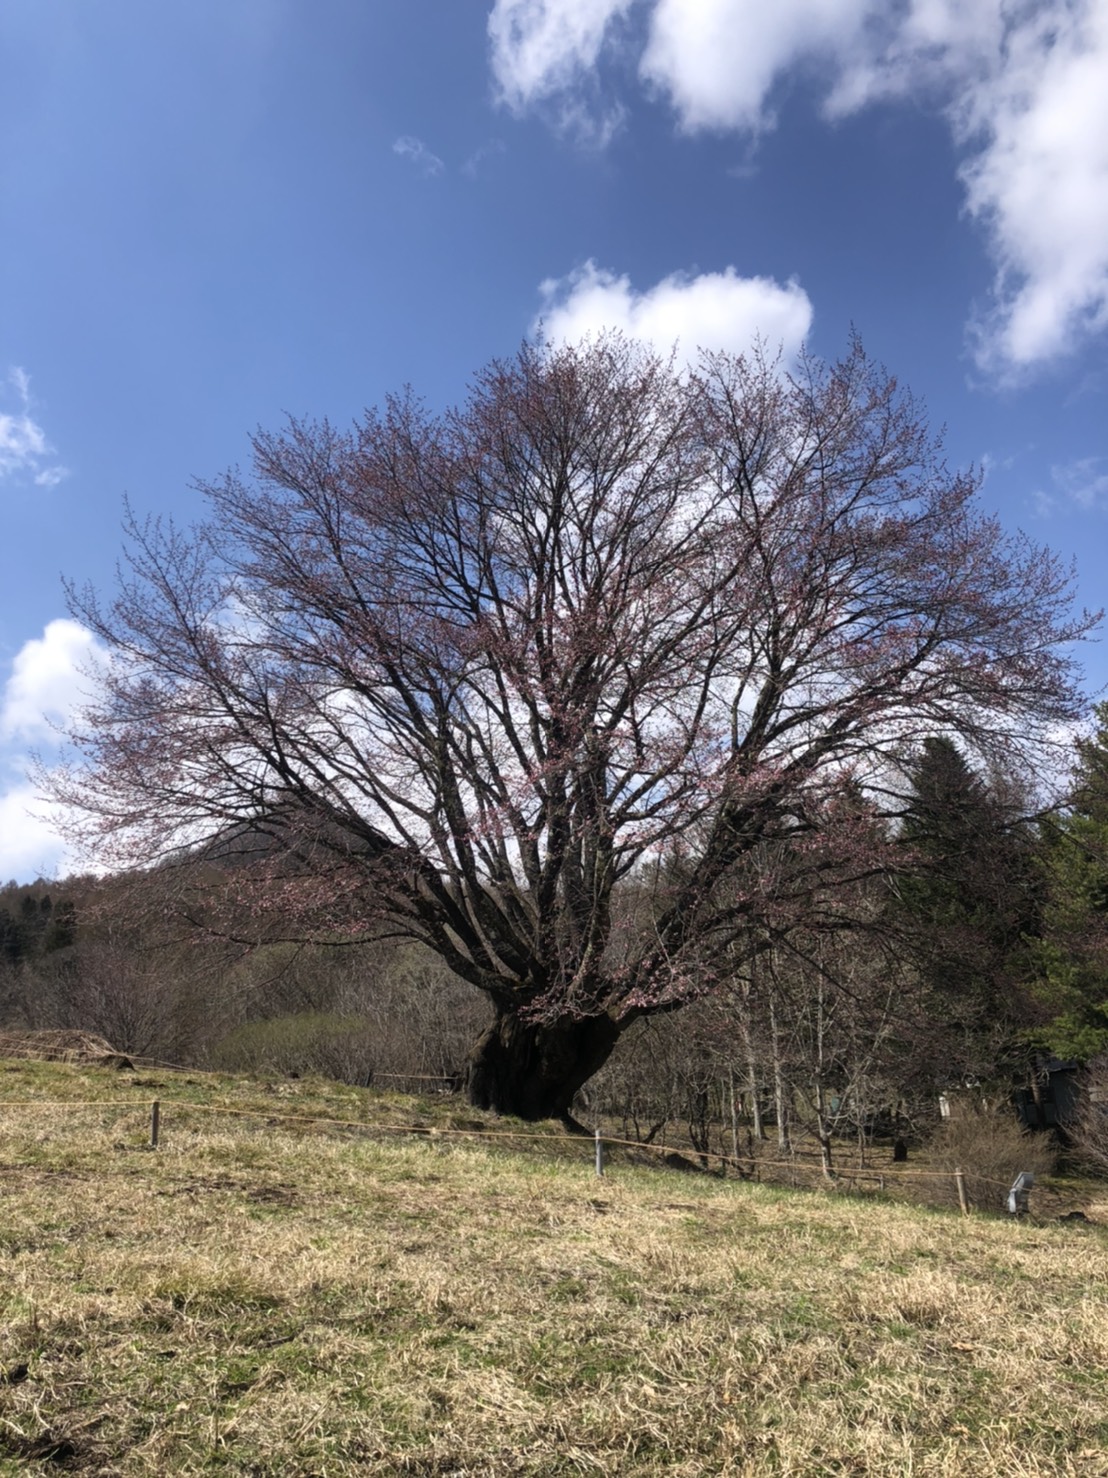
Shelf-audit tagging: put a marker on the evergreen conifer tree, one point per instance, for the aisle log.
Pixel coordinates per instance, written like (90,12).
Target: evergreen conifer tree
(968,901)
(1073,950)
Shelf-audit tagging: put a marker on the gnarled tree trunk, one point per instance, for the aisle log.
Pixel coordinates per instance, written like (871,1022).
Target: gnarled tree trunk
(532,1069)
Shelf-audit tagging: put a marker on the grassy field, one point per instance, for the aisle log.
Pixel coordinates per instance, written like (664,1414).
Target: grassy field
(275,1296)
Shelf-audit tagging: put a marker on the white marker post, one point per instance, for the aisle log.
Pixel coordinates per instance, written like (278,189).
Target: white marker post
(1020,1194)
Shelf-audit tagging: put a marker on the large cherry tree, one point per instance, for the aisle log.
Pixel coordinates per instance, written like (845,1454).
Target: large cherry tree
(565,682)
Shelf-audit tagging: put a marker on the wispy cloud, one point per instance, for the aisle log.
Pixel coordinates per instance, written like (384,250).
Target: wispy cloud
(545,54)
(541,48)
(1022,87)
(490,149)
(417,153)
(24,450)
(1082,484)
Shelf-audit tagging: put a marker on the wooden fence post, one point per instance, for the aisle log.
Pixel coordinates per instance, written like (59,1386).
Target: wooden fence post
(599,1154)
(960,1181)
(155,1123)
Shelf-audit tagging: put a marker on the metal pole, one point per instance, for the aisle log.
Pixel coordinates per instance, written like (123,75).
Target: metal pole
(599,1154)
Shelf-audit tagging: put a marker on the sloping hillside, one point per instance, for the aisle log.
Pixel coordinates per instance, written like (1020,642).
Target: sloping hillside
(281,1295)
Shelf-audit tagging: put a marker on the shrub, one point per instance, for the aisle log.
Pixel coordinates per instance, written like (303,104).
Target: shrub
(322,1043)
(990,1149)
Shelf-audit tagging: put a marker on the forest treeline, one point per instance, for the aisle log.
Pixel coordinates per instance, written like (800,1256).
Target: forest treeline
(978,955)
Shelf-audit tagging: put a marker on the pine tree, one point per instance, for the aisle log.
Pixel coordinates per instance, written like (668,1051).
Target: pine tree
(1073,951)
(970,897)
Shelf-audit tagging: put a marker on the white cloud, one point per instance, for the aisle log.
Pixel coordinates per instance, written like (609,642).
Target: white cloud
(24,449)
(1025,90)
(544,47)
(47,684)
(1040,186)
(928,48)
(718,60)
(1024,87)
(417,153)
(29,844)
(715,310)
(49,477)
(545,52)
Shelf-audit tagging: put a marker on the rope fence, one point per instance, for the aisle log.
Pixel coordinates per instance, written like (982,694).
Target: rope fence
(601,1143)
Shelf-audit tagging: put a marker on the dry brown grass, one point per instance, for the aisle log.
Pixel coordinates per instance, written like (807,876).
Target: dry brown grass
(276,1298)
(59,1046)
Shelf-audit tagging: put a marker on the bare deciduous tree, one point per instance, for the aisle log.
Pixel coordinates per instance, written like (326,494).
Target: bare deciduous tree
(461,677)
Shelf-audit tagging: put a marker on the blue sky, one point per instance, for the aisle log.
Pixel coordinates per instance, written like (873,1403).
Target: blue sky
(215,212)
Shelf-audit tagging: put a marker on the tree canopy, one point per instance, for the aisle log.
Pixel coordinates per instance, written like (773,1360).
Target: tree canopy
(566,682)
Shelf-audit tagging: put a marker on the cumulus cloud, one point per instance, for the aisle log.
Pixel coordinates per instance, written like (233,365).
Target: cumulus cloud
(45,687)
(24,449)
(718,60)
(417,153)
(1021,85)
(715,310)
(46,684)
(29,844)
